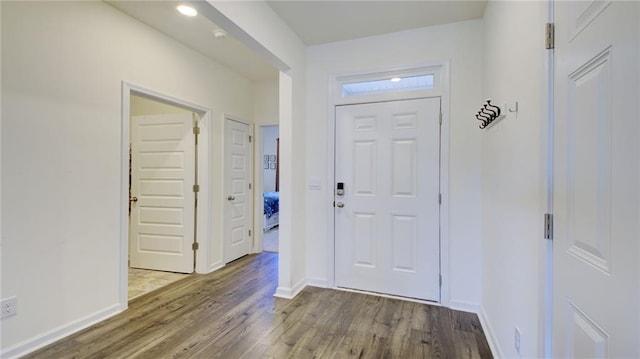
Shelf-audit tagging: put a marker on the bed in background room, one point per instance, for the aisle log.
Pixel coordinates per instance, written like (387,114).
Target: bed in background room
(271,209)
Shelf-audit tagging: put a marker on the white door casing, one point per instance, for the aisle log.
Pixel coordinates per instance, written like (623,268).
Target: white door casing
(387,222)
(238,172)
(162,178)
(596,182)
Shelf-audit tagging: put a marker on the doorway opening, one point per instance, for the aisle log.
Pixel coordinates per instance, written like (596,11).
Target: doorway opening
(165,190)
(270,187)
(153,179)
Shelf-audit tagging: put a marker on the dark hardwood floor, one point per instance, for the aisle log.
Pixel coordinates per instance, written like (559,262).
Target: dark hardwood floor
(232,314)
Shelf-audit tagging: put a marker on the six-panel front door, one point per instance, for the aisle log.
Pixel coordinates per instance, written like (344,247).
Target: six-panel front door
(238,211)
(387,220)
(162,203)
(596,181)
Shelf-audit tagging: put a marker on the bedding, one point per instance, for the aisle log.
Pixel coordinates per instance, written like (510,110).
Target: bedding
(271,203)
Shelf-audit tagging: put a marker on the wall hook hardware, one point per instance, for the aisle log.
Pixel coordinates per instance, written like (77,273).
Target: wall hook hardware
(489,113)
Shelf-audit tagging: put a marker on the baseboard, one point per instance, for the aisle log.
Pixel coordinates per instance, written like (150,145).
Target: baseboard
(215,266)
(317,282)
(490,334)
(56,334)
(290,293)
(464,306)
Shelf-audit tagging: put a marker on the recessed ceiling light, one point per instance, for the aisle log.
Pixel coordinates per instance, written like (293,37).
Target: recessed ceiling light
(396,79)
(219,34)
(187,10)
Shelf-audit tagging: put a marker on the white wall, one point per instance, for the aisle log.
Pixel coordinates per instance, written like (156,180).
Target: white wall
(269,148)
(513,189)
(461,43)
(265,109)
(61,144)
(260,28)
(1,231)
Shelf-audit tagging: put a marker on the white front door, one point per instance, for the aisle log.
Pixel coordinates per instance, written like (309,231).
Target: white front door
(163,204)
(596,181)
(238,212)
(387,221)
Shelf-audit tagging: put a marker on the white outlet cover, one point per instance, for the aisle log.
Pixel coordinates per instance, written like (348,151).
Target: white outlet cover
(9,307)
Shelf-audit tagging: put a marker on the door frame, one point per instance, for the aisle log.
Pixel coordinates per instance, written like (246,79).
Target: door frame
(252,176)
(258,182)
(440,90)
(203,164)
(546,302)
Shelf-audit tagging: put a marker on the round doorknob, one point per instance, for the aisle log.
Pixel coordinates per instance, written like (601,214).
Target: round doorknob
(231,198)
(133,199)
(340,204)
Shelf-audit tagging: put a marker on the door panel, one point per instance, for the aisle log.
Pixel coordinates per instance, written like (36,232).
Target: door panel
(387,232)
(238,198)
(162,173)
(596,181)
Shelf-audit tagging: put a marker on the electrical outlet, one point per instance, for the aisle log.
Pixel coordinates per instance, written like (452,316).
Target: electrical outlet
(516,340)
(9,307)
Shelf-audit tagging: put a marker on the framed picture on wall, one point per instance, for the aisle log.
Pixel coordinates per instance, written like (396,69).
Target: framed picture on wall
(266,165)
(273,166)
(266,158)
(272,158)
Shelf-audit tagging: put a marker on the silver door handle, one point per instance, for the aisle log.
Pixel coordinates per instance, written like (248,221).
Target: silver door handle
(339,204)
(231,198)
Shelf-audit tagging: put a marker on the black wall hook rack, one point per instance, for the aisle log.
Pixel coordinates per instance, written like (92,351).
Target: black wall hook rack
(488,113)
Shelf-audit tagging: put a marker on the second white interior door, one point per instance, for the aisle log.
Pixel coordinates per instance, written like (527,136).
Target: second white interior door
(387,221)
(238,199)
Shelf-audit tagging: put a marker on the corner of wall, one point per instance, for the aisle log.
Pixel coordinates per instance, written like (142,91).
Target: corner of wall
(290,293)
(489,333)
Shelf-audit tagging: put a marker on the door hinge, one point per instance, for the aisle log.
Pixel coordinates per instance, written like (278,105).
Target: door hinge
(440,280)
(550,41)
(548,226)
(196,188)
(249,138)
(196,130)
(195,246)
(249,233)
(249,185)
(439,198)
(441,117)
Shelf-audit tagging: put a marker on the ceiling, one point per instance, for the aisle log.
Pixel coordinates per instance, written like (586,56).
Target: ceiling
(197,33)
(320,22)
(315,22)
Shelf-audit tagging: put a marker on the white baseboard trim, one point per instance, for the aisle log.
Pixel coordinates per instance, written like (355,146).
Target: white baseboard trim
(290,293)
(464,306)
(490,334)
(215,266)
(318,282)
(60,332)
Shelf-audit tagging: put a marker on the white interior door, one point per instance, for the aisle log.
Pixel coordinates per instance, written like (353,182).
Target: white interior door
(596,182)
(162,178)
(238,213)
(387,221)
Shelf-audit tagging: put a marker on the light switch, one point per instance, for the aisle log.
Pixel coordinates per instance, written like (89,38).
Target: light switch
(315,185)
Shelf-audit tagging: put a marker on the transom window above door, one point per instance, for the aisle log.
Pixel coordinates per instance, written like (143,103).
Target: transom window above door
(418,82)
(392,84)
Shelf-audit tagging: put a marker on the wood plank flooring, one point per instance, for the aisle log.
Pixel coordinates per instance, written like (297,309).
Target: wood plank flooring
(232,314)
